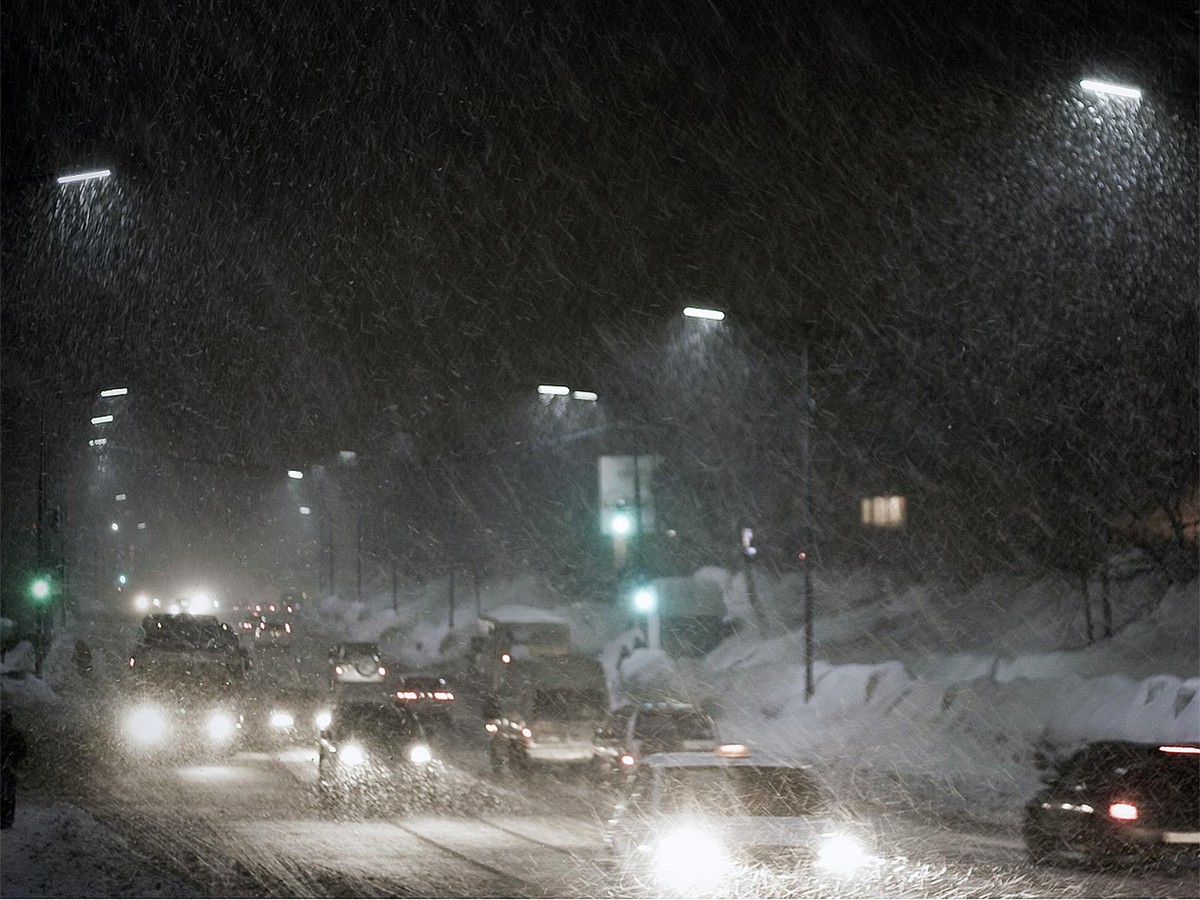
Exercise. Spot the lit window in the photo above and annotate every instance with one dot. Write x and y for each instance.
(884, 512)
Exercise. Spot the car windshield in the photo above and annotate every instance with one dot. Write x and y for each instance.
(568, 703)
(739, 791)
(186, 633)
(672, 726)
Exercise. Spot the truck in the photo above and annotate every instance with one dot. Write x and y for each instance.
(513, 633)
(547, 710)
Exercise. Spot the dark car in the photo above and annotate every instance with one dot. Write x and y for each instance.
(429, 695)
(1115, 801)
(356, 662)
(636, 731)
(374, 747)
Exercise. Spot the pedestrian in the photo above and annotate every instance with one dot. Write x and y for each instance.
(12, 751)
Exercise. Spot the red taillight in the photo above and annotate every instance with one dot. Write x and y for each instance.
(406, 695)
(1179, 748)
(382, 670)
(443, 695)
(627, 760)
(131, 662)
(287, 626)
(505, 658)
(1123, 812)
(526, 733)
(338, 669)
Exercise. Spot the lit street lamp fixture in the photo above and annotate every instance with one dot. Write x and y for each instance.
(1106, 87)
(699, 312)
(84, 176)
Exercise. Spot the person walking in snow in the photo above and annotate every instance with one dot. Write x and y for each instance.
(12, 751)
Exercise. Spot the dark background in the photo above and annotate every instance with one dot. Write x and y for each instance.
(379, 226)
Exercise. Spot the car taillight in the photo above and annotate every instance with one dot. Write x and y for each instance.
(1123, 812)
(131, 662)
(287, 626)
(406, 695)
(338, 669)
(627, 759)
(526, 733)
(382, 670)
(443, 695)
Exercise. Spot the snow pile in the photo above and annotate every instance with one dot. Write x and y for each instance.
(57, 850)
(956, 694)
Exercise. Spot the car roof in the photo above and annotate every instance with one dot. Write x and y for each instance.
(700, 759)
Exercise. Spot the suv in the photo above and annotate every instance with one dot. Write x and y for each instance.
(633, 732)
(1117, 799)
(356, 662)
(185, 649)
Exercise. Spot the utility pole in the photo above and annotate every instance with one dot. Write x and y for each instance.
(805, 555)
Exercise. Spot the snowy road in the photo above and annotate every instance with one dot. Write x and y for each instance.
(254, 825)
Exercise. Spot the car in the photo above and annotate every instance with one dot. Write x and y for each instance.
(276, 632)
(638, 730)
(1116, 801)
(429, 695)
(182, 723)
(695, 821)
(180, 649)
(373, 748)
(356, 662)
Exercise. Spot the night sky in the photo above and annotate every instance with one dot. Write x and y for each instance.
(381, 225)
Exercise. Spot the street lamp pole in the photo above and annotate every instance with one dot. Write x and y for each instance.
(806, 410)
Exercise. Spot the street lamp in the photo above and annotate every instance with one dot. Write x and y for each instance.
(553, 390)
(1114, 90)
(84, 176)
(807, 407)
(101, 420)
(114, 392)
(296, 474)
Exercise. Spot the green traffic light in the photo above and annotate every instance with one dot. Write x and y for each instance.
(40, 588)
(121, 579)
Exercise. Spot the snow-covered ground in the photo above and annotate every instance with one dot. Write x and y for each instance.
(950, 694)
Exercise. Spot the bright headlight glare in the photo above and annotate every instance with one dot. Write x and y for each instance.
(220, 726)
(281, 719)
(146, 725)
(841, 852)
(420, 754)
(689, 858)
(352, 755)
(323, 719)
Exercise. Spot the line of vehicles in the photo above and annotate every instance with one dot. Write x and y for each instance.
(694, 809)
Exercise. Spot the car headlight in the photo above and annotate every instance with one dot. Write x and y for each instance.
(419, 754)
(220, 726)
(146, 726)
(282, 720)
(323, 719)
(841, 852)
(688, 858)
(352, 755)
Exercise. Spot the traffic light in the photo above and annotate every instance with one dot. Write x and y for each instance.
(122, 580)
(41, 589)
(645, 600)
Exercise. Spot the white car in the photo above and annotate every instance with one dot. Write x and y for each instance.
(698, 821)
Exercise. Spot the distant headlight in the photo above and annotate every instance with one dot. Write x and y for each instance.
(841, 852)
(420, 754)
(146, 725)
(688, 858)
(323, 719)
(220, 726)
(352, 755)
(282, 720)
